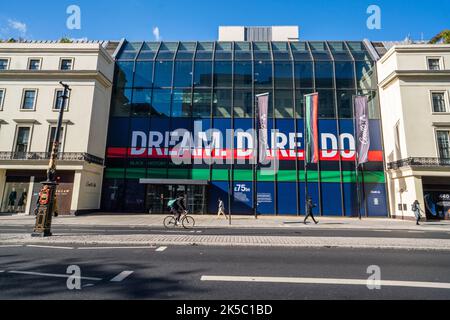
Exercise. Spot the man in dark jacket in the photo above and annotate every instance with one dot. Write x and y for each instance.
(180, 207)
(309, 210)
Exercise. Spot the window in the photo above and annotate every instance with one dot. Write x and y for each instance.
(2, 98)
(34, 64)
(304, 75)
(183, 74)
(263, 74)
(142, 102)
(4, 64)
(222, 103)
(29, 99)
(283, 75)
(203, 74)
(439, 104)
(345, 75)
(202, 103)
(443, 139)
(181, 103)
(434, 64)
(223, 74)
(51, 138)
(144, 74)
(243, 74)
(66, 64)
(163, 74)
(243, 103)
(22, 140)
(161, 103)
(124, 74)
(59, 100)
(284, 104)
(324, 75)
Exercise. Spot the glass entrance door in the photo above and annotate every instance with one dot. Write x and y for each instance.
(159, 195)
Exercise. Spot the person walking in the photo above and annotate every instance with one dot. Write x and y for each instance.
(416, 209)
(221, 211)
(309, 210)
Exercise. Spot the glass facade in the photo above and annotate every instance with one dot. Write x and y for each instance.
(165, 86)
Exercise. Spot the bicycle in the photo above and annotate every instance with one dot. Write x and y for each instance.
(187, 222)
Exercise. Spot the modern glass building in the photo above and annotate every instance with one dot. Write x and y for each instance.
(164, 86)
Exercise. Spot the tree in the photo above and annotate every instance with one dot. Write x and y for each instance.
(65, 40)
(444, 37)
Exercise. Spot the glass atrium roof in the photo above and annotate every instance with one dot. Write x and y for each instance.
(298, 51)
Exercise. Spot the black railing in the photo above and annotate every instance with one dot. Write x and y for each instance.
(62, 156)
(420, 162)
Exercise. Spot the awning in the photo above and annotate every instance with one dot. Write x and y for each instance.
(175, 182)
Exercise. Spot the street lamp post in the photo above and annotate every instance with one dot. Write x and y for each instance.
(46, 206)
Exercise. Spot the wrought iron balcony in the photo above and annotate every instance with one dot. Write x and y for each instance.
(39, 156)
(420, 162)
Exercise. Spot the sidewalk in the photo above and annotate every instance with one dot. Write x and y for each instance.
(244, 222)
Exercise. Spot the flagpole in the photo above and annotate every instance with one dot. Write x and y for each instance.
(305, 148)
(356, 160)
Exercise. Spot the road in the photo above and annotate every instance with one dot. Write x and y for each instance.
(28, 272)
(314, 231)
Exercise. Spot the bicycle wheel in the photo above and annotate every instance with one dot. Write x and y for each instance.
(169, 222)
(188, 222)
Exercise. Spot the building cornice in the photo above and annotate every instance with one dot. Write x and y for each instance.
(441, 75)
(60, 50)
(56, 75)
(417, 48)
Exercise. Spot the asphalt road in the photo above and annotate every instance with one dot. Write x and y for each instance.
(313, 231)
(183, 272)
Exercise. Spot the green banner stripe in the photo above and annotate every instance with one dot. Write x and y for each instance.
(244, 175)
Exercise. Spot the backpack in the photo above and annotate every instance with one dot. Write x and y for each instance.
(171, 203)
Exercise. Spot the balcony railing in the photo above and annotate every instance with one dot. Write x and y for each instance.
(62, 156)
(420, 162)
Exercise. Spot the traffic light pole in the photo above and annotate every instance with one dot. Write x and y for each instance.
(46, 206)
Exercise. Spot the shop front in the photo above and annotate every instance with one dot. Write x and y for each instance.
(437, 198)
(21, 190)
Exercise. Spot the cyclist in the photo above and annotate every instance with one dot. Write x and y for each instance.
(177, 207)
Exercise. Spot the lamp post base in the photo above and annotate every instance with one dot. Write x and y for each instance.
(45, 210)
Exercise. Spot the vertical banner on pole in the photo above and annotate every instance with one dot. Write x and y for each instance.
(362, 129)
(263, 108)
(312, 128)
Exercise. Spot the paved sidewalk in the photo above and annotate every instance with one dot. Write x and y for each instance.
(228, 241)
(237, 222)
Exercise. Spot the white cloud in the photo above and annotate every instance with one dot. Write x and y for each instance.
(18, 26)
(156, 33)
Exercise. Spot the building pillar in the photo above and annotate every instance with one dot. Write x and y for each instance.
(74, 207)
(30, 196)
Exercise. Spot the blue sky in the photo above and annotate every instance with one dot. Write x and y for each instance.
(199, 19)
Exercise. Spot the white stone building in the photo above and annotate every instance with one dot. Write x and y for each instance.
(29, 105)
(414, 83)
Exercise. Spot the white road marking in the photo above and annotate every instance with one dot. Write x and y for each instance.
(121, 276)
(50, 247)
(1, 271)
(161, 249)
(11, 246)
(54, 275)
(113, 248)
(387, 283)
(382, 230)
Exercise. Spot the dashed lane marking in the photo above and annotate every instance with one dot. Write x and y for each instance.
(161, 249)
(121, 276)
(50, 247)
(53, 275)
(386, 283)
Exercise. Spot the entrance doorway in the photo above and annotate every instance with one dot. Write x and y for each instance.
(158, 195)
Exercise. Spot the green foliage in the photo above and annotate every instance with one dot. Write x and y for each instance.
(65, 40)
(11, 40)
(444, 37)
